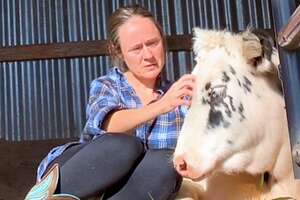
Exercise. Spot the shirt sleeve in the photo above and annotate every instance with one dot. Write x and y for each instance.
(103, 98)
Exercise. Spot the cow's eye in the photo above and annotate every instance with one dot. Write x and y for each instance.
(217, 92)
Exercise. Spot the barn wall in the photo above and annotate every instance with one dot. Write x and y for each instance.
(45, 99)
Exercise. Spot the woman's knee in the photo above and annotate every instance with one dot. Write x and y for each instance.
(154, 173)
(157, 164)
(167, 176)
(130, 145)
(102, 158)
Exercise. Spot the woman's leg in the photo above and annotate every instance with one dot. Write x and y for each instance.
(153, 178)
(99, 164)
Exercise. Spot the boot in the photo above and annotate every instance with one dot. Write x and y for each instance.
(44, 190)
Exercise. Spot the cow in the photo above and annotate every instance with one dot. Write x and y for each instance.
(234, 142)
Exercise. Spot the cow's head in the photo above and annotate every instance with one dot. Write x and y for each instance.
(237, 100)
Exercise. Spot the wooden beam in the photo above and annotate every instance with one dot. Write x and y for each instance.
(53, 50)
(77, 49)
(179, 42)
(289, 35)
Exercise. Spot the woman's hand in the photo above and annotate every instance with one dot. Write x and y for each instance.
(180, 93)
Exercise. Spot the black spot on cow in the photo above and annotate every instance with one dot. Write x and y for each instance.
(231, 103)
(204, 101)
(216, 119)
(226, 124)
(247, 81)
(241, 112)
(239, 82)
(227, 109)
(207, 86)
(230, 142)
(241, 108)
(247, 84)
(217, 95)
(215, 98)
(247, 88)
(232, 70)
(216, 101)
(227, 51)
(225, 77)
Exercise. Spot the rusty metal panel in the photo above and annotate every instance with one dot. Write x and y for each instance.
(45, 99)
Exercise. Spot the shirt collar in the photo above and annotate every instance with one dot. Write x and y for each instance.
(124, 85)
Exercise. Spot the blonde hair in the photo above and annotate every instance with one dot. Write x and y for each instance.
(117, 19)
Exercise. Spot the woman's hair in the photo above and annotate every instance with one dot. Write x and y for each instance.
(117, 19)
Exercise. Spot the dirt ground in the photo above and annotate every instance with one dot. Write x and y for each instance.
(18, 164)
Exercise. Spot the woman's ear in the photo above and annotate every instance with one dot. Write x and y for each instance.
(116, 55)
(120, 56)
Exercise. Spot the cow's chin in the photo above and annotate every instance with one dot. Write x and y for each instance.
(196, 176)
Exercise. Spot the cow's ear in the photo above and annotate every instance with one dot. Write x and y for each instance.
(259, 51)
(252, 48)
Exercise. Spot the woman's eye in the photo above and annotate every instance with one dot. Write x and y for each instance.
(136, 49)
(154, 43)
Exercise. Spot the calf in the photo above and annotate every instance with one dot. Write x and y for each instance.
(235, 137)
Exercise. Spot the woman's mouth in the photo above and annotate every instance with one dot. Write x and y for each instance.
(151, 65)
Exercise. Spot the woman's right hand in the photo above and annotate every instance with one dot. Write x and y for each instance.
(180, 93)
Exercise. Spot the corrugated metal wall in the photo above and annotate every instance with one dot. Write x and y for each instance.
(46, 98)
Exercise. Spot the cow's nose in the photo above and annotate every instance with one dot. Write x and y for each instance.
(180, 165)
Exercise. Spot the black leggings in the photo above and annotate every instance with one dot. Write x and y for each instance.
(118, 166)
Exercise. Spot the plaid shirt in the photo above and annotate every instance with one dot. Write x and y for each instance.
(113, 92)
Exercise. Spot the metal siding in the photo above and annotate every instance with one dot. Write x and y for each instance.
(46, 98)
(290, 74)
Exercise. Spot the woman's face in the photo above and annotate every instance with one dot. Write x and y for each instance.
(142, 47)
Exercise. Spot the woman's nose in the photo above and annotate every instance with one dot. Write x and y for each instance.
(147, 53)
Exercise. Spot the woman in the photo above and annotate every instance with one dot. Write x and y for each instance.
(133, 122)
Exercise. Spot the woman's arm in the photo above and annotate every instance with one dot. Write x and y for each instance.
(126, 120)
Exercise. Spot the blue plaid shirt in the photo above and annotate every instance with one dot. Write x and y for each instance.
(113, 92)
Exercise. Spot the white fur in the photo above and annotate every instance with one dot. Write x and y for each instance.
(259, 141)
